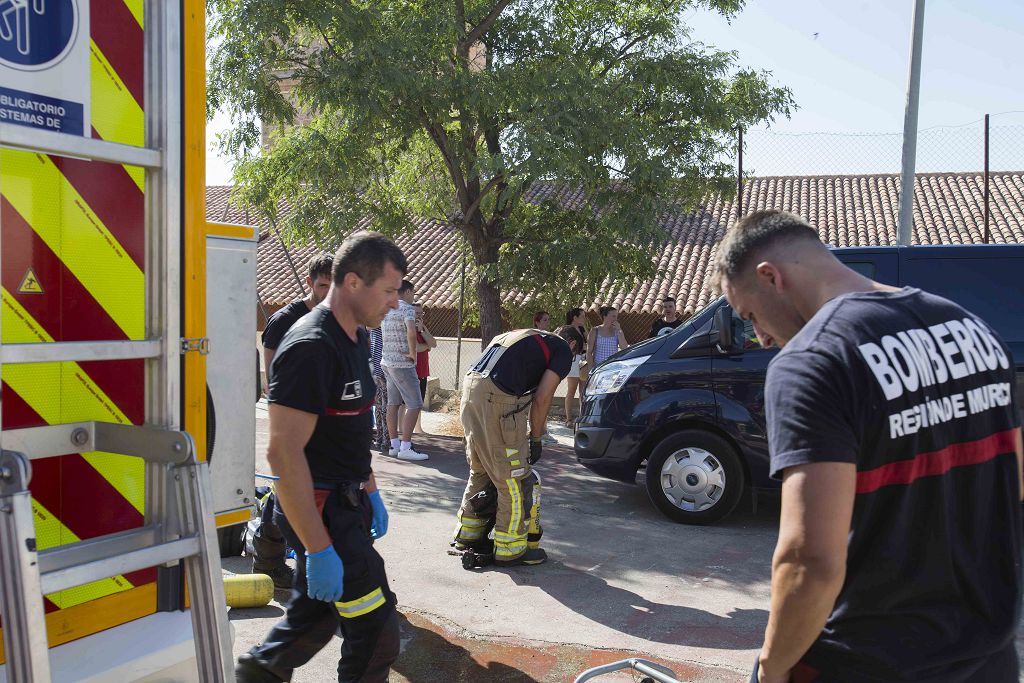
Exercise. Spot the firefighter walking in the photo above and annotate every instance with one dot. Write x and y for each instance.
(515, 378)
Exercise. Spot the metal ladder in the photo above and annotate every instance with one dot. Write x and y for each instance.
(178, 521)
(186, 534)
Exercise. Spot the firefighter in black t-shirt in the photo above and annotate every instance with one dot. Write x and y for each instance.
(892, 423)
(330, 511)
(318, 281)
(267, 544)
(519, 371)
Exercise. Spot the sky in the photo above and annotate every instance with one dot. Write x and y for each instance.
(847, 64)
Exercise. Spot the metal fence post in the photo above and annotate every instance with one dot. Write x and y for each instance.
(986, 179)
(739, 174)
(458, 334)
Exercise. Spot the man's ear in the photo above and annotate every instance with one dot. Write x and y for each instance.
(351, 280)
(769, 275)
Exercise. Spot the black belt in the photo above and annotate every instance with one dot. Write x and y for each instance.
(351, 491)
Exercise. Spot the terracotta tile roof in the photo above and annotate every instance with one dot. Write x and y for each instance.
(857, 210)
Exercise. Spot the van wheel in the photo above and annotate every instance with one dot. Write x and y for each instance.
(694, 477)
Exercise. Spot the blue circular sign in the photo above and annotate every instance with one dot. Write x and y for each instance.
(36, 34)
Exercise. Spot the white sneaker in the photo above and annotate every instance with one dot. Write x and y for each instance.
(392, 451)
(412, 455)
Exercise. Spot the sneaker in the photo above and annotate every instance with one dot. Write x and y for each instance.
(547, 439)
(411, 455)
(531, 556)
(390, 451)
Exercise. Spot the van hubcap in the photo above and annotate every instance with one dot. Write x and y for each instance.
(693, 479)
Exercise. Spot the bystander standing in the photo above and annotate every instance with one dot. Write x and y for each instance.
(399, 364)
(669, 319)
(605, 339)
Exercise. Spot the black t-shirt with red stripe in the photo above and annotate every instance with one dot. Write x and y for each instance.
(919, 394)
(519, 370)
(319, 369)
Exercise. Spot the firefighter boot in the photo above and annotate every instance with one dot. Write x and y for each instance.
(268, 559)
(531, 557)
(249, 669)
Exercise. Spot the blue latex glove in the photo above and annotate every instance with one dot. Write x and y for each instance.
(379, 525)
(325, 575)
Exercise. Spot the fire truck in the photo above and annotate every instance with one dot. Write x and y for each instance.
(111, 485)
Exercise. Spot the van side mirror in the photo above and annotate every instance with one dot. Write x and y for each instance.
(728, 341)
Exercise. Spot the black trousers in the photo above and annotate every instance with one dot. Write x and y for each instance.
(365, 614)
(1001, 667)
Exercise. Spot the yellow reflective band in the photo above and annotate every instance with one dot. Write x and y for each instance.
(509, 549)
(50, 532)
(466, 520)
(135, 7)
(515, 463)
(364, 605)
(517, 506)
(509, 452)
(116, 116)
(63, 392)
(58, 214)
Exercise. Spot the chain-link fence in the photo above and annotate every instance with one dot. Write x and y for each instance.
(991, 145)
(991, 148)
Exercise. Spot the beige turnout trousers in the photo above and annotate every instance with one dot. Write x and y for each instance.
(497, 451)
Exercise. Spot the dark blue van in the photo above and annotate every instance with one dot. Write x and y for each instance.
(690, 405)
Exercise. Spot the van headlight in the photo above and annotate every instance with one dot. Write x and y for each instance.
(610, 377)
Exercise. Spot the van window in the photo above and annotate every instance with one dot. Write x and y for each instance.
(865, 268)
(987, 287)
(744, 330)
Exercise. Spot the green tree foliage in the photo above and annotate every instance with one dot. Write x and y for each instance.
(550, 133)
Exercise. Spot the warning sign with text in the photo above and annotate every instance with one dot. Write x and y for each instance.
(45, 64)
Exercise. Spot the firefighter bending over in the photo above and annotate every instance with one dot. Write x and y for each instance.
(518, 373)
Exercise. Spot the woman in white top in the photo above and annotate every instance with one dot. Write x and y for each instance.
(605, 339)
(575, 319)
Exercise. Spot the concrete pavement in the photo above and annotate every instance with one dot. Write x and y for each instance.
(621, 581)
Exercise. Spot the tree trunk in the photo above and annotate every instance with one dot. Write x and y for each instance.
(489, 298)
(488, 293)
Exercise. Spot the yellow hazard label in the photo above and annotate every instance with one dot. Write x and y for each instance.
(30, 283)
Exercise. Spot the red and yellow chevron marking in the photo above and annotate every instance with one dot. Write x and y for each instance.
(44, 198)
(78, 226)
(116, 69)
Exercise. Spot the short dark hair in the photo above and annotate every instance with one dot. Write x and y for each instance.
(406, 286)
(572, 313)
(321, 264)
(605, 310)
(570, 333)
(538, 315)
(751, 236)
(668, 299)
(365, 253)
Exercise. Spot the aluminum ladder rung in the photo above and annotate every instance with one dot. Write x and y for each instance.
(52, 352)
(50, 142)
(110, 559)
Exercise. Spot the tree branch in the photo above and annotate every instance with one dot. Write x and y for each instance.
(440, 138)
(621, 55)
(491, 184)
(485, 24)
